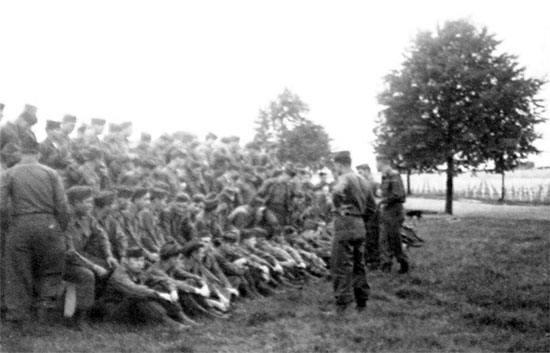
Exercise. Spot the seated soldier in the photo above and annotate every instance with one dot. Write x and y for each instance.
(88, 256)
(127, 295)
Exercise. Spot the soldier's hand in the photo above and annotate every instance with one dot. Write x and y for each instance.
(164, 296)
(100, 271)
(112, 262)
(174, 296)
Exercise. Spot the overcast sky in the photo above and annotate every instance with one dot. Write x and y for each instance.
(211, 65)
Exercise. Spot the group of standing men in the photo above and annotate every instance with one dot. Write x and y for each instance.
(361, 225)
(39, 212)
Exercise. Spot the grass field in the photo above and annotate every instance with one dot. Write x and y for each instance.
(478, 284)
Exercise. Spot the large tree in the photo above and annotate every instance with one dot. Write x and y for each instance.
(297, 138)
(457, 102)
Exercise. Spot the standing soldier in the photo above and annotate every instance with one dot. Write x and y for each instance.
(35, 244)
(371, 218)
(391, 216)
(351, 195)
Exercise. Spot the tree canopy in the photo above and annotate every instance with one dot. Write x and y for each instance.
(296, 138)
(457, 101)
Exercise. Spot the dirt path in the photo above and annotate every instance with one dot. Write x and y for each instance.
(472, 208)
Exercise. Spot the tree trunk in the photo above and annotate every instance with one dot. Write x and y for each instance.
(503, 189)
(409, 182)
(449, 194)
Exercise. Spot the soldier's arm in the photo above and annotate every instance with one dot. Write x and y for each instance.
(61, 207)
(123, 283)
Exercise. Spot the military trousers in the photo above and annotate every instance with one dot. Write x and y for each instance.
(348, 261)
(35, 251)
(391, 221)
(372, 243)
(85, 282)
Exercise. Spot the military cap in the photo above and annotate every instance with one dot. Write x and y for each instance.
(225, 139)
(139, 193)
(125, 192)
(79, 193)
(342, 157)
(29, 108)
(382, 157)
(231, 235)
(169, 250)
(52, 125)
(126, 124)
(29, 145)
(175, 152)
(257, 200)
(190, 247)
(210, 203)
(211, 136)
(225, 197)
(145, 137)
(234, 138)
(67, 118)
(134, 252)
(363, 166)
(104, 198)
(198, 198)
(82, 128)
(149, 163)
(158, 193)
(98, 121)
(247, 234)
(114, 127)
(184, 136)
(182, 197)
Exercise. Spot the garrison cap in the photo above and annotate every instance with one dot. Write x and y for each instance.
(225, 139)
(169, 250)
(211, 136)
(104, 198)
(114, 127)
(341, 156)
(134, 252)
(149, 163)
(182, 197)
(234, 138)
(98, 121)
(124, 191)
(126, 124)
(232, 234)
(210, 203)
(158, 193)
(52, 125)
(257, 200)
(363, 166)
(82, 128)
(190, 247)
(67, 118)
(198, 198)
(79, 193)
(145, 137)
(139, 193)
(30, 108)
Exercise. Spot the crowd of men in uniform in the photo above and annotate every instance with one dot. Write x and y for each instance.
(169, 229)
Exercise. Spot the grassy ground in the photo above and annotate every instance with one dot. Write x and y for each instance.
(477, 285)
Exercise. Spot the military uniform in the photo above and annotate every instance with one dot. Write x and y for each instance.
(35, 245)
(391, 220)
(350, 196)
